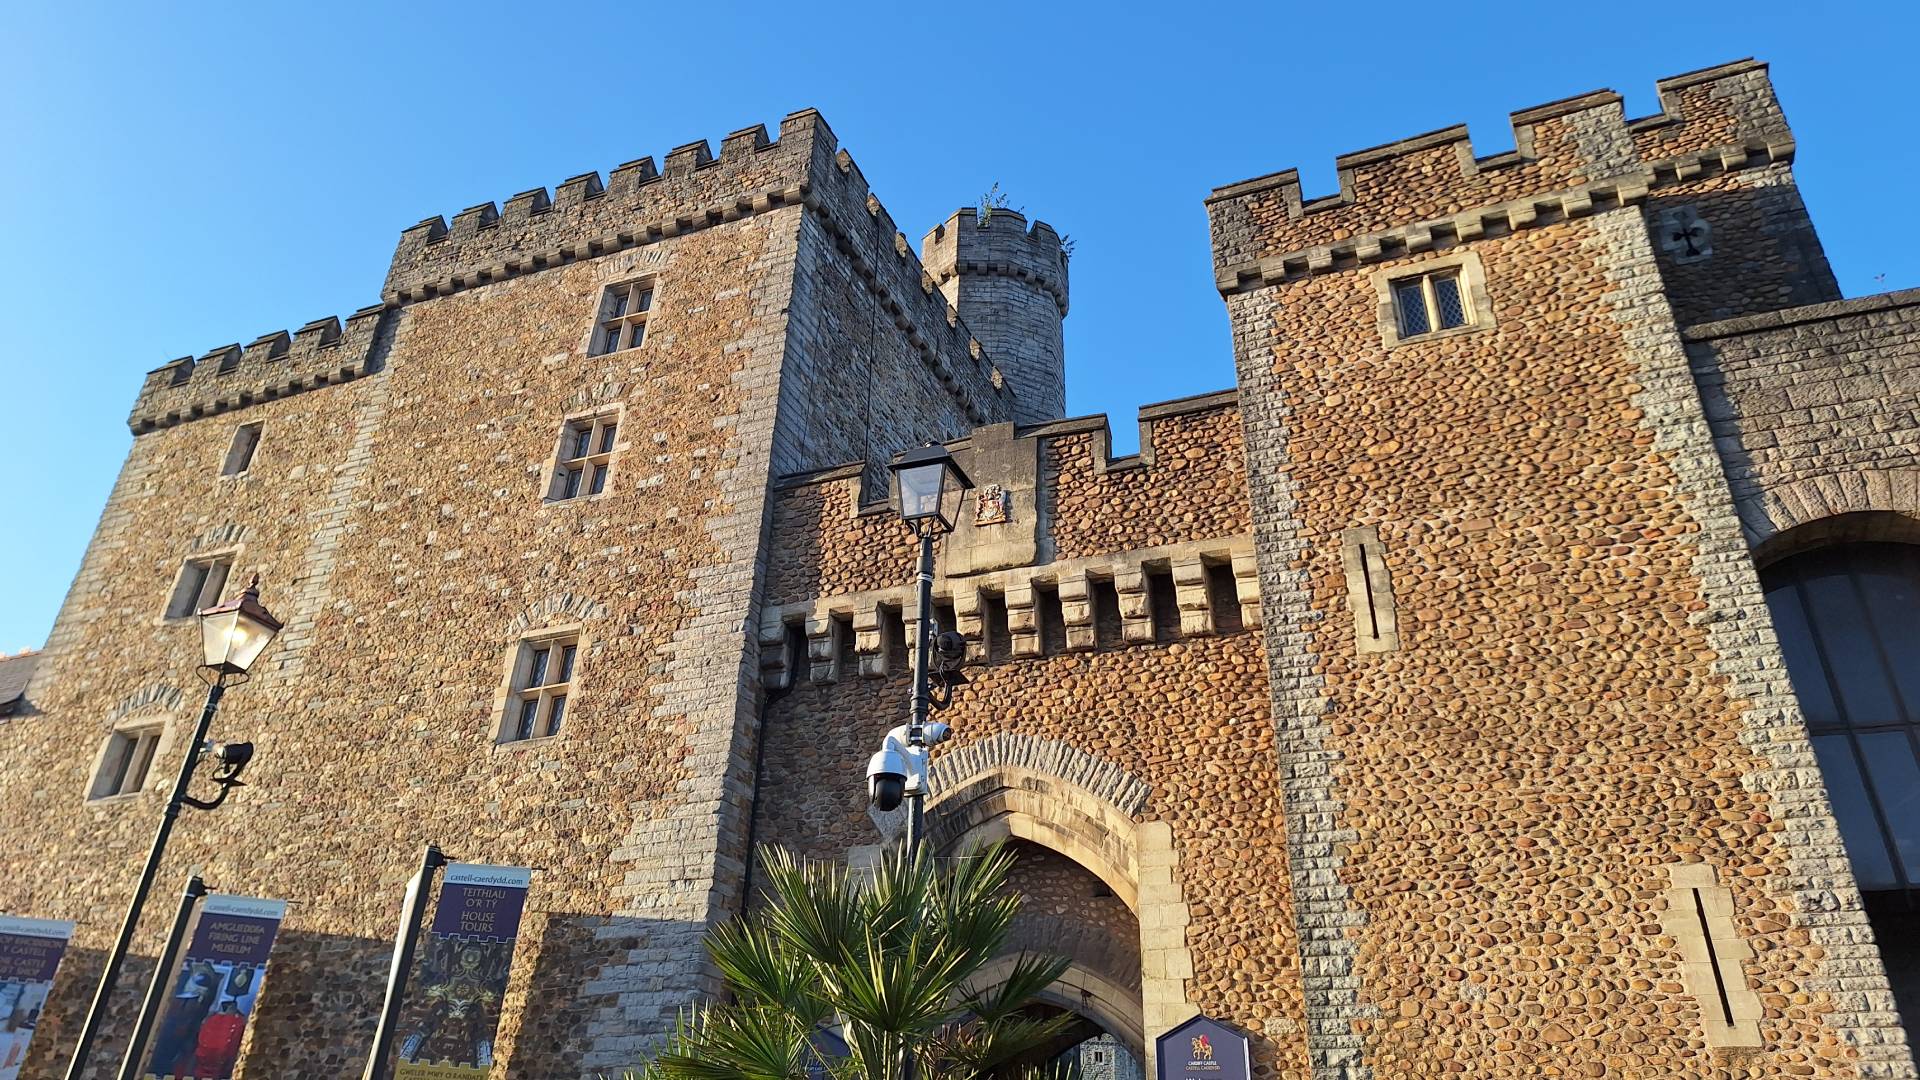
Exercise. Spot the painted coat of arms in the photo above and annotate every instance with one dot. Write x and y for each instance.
(993, 506)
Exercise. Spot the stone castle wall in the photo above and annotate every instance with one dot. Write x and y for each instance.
(1381, 707)
(1810, 409)
(1122, 635)
(1584, 706)
(395, 514)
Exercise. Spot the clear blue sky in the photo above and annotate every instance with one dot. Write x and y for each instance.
(175, 176)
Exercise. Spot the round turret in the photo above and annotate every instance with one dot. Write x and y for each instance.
(1009, 283)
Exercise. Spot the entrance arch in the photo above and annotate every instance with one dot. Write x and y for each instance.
(1056, 796)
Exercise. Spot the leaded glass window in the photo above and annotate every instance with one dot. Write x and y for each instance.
(1431, 302)
(542, 681)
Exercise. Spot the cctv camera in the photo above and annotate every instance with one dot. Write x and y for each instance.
(887, 778)
(233, 755)
(887, 791)
(950, 645)
(934, 733)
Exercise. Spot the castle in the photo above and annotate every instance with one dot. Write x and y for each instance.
(1512, 676)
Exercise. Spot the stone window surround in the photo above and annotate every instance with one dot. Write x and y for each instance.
(128, 727)
(647, 283)
(613, 411)
(241, 452)
(1473, 292)
(1699, 918)
(507, 696)
(230, 554)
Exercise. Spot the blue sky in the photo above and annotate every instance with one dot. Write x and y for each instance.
(175, 177)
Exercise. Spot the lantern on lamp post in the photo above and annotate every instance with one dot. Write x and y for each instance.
(232, 637)
(929, 489)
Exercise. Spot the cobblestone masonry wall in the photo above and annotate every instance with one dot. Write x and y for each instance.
(1189, 717)
(1067, 911)
(1761, 252)
(1811, 410)
(1190, 480)
(113, 659)
(1498, 799)
(1812, 861)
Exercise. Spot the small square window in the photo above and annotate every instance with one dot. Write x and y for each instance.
(541, 681)
(624, 309)
(585, 458)
(246, 439)
(125, 764)
(199, 585)
(1431, 302)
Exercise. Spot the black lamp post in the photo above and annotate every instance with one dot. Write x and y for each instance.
(930, 488)
(232, 636)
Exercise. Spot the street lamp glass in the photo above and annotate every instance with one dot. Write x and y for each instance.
(234, 634)
(930, 486)
(920, 491)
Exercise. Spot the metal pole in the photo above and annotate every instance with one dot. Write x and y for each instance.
(922, 693)
(162, 978)
(409, 935)
(97, 1012)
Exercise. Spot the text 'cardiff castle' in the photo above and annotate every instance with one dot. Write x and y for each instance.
(1516, 674)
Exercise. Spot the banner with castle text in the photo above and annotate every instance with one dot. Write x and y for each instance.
(452, 1010)
(215, 988)
(30, 952)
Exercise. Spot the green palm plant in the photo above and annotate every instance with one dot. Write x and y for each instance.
(889, 963)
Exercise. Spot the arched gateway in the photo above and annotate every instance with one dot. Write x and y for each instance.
(1101, 887)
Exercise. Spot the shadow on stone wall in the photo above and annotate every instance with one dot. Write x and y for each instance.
(322, 998)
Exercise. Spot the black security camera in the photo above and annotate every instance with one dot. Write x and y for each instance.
(951, 646)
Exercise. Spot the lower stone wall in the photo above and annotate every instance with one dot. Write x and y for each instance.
(1811, 409)
(1187, 719)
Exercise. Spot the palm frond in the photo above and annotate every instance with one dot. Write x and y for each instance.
(979, 1047)
(1032, 973)
(739, 1043)
(817, 909)
(761, 968)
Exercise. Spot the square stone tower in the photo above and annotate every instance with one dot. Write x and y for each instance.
(557, 430)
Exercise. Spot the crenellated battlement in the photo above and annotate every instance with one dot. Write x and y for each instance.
(1724, 117)
(584, 217)
(637, 203)
(1053, 493)
(1002, 245)
(321, 353)
(1163, 534)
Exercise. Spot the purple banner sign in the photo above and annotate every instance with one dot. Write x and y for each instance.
(1203, 1049)
(215, 991)
(30, 951)
(453, 1006)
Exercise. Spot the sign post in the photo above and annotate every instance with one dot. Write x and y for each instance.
(411, 910)
(212, 992)
(449, 1021)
